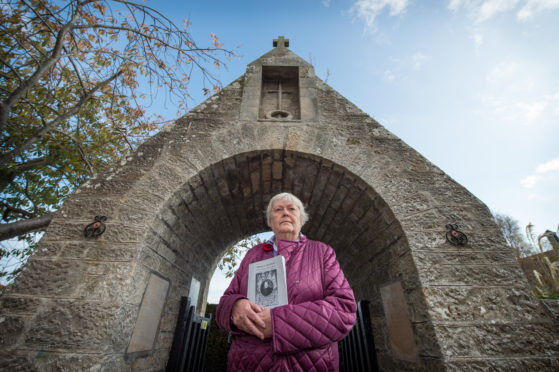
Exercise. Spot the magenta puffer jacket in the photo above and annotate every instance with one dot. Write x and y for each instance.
(306, 332)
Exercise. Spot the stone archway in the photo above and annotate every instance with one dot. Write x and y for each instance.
(187, 193)
(226, 201)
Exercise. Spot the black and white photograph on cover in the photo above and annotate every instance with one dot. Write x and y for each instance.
(267, 288)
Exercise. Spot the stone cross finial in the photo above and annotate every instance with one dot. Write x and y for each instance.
(281, 42)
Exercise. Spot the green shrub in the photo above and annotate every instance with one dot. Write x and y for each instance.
(218, 347)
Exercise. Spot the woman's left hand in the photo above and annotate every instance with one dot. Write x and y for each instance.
(266, 316)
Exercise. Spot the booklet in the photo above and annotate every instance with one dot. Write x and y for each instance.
(267, 284)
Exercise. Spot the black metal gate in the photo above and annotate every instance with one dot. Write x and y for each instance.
(357, 350)
(190, 341)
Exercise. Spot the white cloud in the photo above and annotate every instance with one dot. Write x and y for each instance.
(529, 181)
(502, 71)
(542, 111)
(389, 75)
(482, 10)
(402, 66)
(368, 10)
(532, 111)
(478, 39)
(455, 5)
(544, 172)
(418, 59)
(489, 8)
(517, 92)
(326, 3)
(531, 7)
(550, 166)
(547, 106)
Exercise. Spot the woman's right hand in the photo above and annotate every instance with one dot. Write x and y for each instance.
(246, 318)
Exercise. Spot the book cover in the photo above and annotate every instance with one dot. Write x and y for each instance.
(267, 284)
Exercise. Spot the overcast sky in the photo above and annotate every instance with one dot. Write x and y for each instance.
(473, 85)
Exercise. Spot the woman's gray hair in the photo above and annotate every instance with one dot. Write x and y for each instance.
(288, 197)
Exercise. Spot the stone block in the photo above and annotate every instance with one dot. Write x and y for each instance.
(470, 218)
(154, 362)
(417, 307)
(136, 215)
(11, 328)
(380, 335)
(115, 232)
(493, 304)
(13, 361)
(112, 362)
(139, 201)
(122, 233)
(116, 182)
(12, 305)
(57, 278)
(470, 275)
(169, 322)
(427, 340)
(149, 259)
(448, 255)
(138, 282)
(105, 281)
(277, 169)
(43, 360)
(48, 249)
(502, 364)
(499, 340)
(88, 206)
(113, 252)
(165, 339)
(122, 328)
(552, 306)
(59, 231)
(72, 325)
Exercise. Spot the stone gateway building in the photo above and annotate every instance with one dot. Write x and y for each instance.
(173, 207)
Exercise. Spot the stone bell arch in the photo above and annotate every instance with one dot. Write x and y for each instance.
(188, 193)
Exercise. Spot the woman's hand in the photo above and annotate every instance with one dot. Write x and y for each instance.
(248, 317)
(266, 317)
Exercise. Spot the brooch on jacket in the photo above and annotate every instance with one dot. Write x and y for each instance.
(267, 247)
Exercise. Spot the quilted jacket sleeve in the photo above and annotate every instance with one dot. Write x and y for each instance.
(231, 295)
(314, 324)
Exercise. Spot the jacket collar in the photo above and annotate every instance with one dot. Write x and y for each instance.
(285, 246)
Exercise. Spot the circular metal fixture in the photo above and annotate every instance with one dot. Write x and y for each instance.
(455, 237)
(96, 228)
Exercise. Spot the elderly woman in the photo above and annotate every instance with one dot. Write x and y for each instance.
(300, 336)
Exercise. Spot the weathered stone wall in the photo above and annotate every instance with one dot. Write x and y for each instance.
(547, 280)
(190, 192)
(552, 306)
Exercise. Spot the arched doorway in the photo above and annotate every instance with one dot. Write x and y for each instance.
(226, 201)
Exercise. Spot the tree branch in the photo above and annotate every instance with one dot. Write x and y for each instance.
(145, 36)
(41, 70)
(80, 151)
(67, 114)
(10, 208)
(7, 176)
(11, 230)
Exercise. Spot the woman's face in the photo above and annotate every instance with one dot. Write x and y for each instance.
(285, 219)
